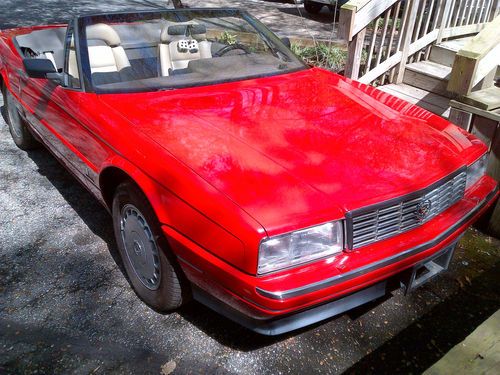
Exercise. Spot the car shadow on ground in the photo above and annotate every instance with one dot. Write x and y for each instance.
(81, 201)
(325, 16)
(239, 338)
(429, 338)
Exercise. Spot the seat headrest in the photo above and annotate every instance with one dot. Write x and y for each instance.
(101, 31)
(179, 31)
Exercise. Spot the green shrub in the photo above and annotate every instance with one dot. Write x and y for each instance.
(323, 55)
(227, 38)
(381, 21)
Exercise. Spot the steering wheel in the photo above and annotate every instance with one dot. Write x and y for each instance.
(230, 48)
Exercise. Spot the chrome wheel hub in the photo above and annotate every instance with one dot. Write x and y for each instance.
(140, 246)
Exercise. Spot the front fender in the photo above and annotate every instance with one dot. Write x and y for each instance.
(182, 217)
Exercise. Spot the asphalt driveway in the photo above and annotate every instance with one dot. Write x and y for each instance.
(65, 306)
(281, 16)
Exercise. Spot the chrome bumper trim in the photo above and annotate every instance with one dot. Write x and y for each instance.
(379, 264)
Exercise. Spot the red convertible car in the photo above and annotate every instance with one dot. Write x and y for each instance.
(276, 193)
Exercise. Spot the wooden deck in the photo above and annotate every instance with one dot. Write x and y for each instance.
(432, 102)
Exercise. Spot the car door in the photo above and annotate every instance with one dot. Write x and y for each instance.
(59, 116)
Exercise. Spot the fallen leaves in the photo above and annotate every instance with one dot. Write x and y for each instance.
(168, 368)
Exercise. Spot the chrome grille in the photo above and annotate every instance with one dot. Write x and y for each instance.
(367, 225)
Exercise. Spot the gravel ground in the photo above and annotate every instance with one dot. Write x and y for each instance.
(65, 306)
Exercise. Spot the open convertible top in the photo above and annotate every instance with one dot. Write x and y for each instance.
(160, 50)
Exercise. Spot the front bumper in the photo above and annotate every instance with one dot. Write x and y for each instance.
(291, 322)
(292, 299)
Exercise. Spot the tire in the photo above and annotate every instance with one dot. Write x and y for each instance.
(313, 7)
(17, 126)
(151, 267)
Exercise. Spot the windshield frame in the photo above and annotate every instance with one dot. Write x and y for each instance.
(83, 57)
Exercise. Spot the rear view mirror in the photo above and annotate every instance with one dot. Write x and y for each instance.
(38, 68)
(187, 30)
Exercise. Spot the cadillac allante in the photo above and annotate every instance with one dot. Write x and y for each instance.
(276, 193)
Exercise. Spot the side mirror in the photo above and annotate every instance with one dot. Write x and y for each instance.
(39, 68)
(286, 42)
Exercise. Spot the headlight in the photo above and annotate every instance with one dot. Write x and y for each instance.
(476, 170)
(301, 246)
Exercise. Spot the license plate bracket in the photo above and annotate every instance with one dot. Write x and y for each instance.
(429, 268)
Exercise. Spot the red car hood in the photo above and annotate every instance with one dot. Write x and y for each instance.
(298, 149)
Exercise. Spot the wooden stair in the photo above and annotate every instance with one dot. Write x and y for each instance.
(425, 82)
(444, 53)
(429, 76)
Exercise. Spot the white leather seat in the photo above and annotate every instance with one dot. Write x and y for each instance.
(174, 51)
(105, 51)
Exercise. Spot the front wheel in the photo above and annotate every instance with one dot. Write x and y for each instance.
(17, 126)
(312, 7)
(151, 268)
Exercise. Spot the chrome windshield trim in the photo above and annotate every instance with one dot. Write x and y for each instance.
(281, 295)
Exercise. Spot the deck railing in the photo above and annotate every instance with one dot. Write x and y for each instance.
(384, 35)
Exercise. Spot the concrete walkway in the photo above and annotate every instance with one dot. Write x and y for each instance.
(282, 16)
(479, 353)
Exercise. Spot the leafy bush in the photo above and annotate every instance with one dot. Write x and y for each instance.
(323, 55)
(227, 38)
(381, 21)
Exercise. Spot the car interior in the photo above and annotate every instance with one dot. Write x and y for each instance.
(48, 44)
(149, 53)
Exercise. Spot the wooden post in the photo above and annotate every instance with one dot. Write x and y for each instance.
(355, 48)
(495, 9)
(346, 22)
(445, 15)
(407, 34)
(460, 118)
(475, 60)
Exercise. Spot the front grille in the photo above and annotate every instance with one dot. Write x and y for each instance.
(381, 221)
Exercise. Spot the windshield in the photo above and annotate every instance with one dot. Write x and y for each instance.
(151, 51)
